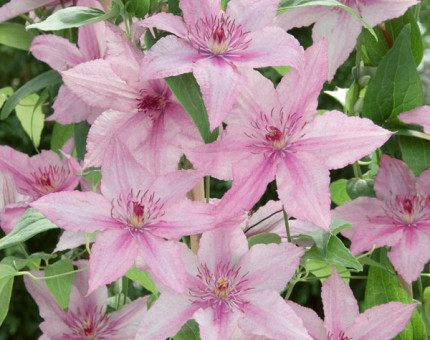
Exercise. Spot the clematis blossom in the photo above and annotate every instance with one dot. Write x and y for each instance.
(277, 134)
(137, 215)
(215, 45)
(419, 115)
(33, 177)
(339, 27)
(229, 287)
(60, 54)
(16, 7)
(343, 320)
(398, 217)
(85, 317)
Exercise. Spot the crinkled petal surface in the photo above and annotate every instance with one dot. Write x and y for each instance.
(214, 327)
(311, 321)
(253, 14)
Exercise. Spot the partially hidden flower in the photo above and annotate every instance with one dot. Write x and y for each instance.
(138, 216)
(85, 317)
(343, 320)
(277, 134)
(16, 7)
(229, 286)
(33, 178)
(419, 115)
(214, 44)
(339, 27)
(398, 217)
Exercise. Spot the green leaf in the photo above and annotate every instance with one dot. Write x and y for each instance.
(31, 223)
(6, 285)
(5, 92)
(14, 35)
(357, 187)
(61, 286)
(81, 132)
(74, 17)
(92, 175)
(336, 253)
(174, 7)
(31, 117)
(60, 135)
(323, 270)
(373, 50)
(16, 263)
(285, 5)
(415, 153)
(264, 238)
(282, 70)
(138, 8)
(187, 91)
(189, 331)
(338, 192)
(143, 278)
(383, 287)
(6, 271)
(43, 80)
(396, 86)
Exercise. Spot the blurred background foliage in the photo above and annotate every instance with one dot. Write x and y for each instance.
(17, 67)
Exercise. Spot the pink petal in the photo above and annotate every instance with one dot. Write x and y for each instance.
(96, 84)
(340, 147)
(112, 255)
(164, 260)
(91, 39)
(340, 305)
(17, 164)
(170, 56)
(69, 108)
(16, 7)
(363, 213)
(268, 314)
(382, 322)
(57, 52)
(253, 15)
(311, 321)
(77, 211)
(220, 83)
(70, 240)
(309, 198)
(423, 183)
(10, 216)
(166, 317)
(195, 10)
(411, 254)
(8, 192)
(266, 224)
(166, 22)
(377, 11)
(299, 89)
(214, 327)
(222, 246)
(394, 178)
(299, 17)
(270, 46)
(271, 266)
(420, 116)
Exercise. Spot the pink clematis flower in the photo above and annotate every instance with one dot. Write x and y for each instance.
(275, 133)
(61, 54)
(16, 7)
(33, 178)
(137, 214)
(339, 27)
(86, 317)
(229, 286)
(143, 114)
(343, 320)
(398, 217)
(419, 115)
(213, 44)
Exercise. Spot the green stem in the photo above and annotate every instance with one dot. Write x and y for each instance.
(207, 188)
(124, 289)
(50, 277)
(27, 256)
(287, 225)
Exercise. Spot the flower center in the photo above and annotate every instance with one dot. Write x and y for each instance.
(341, 336)
(275, 137)
(151, 104)
(49, 179)
(88, 330)
(222, 287)
(410, 210)
(218, 36)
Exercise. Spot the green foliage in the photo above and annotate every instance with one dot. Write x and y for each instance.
(32, 119)
(143, 278)
(415, 153)
(383, 287)
(31, 223)
(14, 35)
(61, 286)
(138, 8)
(5, 92)
(6, 284)
(264, 238)
(338, 192)
(60, 135)
(396, 86)
(189, 331)
(81, 132)
(356, 187)
(187, 91)
(174, 7)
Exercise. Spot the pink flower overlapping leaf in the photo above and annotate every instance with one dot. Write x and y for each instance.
(32, 178)
(419, 115)
(398, 217)
(137, 215)
(229, 286)
(343, 320)
(214, 45)
(276, 133)
(143, 114)
(85, 317)
(339, 27)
